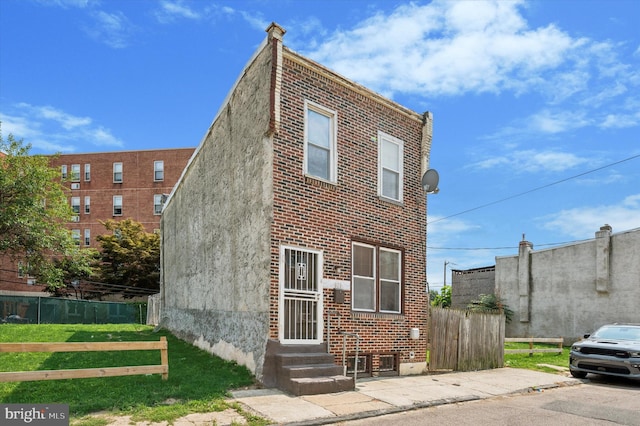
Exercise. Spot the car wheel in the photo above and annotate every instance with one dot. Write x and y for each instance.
(578, 374)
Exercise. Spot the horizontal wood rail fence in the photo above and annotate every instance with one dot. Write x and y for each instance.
(83, 373)
(531, 341)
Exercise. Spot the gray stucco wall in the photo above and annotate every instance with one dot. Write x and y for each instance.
(572, 290)
(215, 230)
(468, 285)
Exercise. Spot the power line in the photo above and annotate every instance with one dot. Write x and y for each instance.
(509, 247)
(533, 190)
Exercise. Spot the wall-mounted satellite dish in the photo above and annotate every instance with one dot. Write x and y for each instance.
(430, 181)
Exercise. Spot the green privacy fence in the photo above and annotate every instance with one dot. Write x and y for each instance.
(53, 310)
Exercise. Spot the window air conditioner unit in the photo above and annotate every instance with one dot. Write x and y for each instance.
(75, 186)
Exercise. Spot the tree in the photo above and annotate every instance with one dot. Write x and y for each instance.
(33, 212)
(129, 256)
(491, 303)
(442, 300)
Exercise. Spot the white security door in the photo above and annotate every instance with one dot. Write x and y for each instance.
(300, 302)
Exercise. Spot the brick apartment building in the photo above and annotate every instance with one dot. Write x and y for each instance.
(108, 185)
(313, 226)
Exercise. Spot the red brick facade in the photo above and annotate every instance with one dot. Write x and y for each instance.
(137, 189)
(319, 215)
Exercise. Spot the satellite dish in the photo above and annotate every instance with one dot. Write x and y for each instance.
(430, 181)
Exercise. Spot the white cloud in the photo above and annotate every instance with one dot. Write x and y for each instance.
(532, 161)
(583, 222)
(171, 10)
(51, 130)
(113, 29)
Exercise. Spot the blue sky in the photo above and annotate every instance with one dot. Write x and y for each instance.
(536, 104)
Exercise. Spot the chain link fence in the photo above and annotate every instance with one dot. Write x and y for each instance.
(53, 310)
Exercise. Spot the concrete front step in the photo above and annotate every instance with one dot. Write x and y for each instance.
(315, 370)
(299, 358)
(319, 385)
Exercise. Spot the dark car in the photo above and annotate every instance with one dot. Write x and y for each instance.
(613, 350)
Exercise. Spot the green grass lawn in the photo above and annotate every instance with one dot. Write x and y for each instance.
(198, 381)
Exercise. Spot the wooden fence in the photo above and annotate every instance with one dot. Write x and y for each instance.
(83, 373)
(531, 340)
(465, 341)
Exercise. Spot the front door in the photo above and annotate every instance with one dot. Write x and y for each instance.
(300, 300)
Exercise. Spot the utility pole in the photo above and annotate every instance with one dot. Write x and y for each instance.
(445, 272)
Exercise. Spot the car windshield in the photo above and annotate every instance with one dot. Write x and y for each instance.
(616, 332)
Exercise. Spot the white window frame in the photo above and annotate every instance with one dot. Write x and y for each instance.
(87, 237)
(75, 205)
(377, 279)
(117, 202)
(75, 234)
(75, 173)
(118, 169)
(87, 204)
(397, 169)
(87, 172)
(158, 167)
(63, 172)
(157, 204)
(333, 132)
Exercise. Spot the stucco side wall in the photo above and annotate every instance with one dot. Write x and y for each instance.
(215, 229)
(568, 294)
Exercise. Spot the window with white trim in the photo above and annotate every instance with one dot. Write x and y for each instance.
(117, 205)
(87, 172)
(320, 151)
(390, 167)
(158, 171)
(87, 237)
(87, 205)
(63, 171)
(117, 172)
(75, 234)
(75, 205)
(75, 173)
(376, 279)
(157, 204)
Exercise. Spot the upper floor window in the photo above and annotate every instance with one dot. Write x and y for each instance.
(377, 284)
(75, 173)
(87, 172)
(117, 205)
(390, 169)
(158, 170)
(87, 237)
(75, 234)
(320, 152)
(157, 203)
(75, 205)
(117, 172)
(63, 171)
(87, 205)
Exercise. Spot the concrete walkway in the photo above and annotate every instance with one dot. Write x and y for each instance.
(378, 396)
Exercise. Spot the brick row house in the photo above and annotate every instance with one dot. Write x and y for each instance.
(296, 234)
(107, 185)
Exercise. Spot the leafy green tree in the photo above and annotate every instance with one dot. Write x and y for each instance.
(33, 212)
(491, 303)
(129, 256)
(442, 300)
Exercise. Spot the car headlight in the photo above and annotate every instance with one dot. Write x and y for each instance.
(634, 354)
(575, 348)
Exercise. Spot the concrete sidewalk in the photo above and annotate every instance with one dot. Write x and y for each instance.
(378, 396)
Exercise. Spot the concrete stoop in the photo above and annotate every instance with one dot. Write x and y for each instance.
(305, 370)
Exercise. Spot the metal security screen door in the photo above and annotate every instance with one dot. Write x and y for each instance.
(300, 296)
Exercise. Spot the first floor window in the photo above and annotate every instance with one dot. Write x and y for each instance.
(117, 205)
(376, 279)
